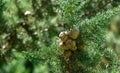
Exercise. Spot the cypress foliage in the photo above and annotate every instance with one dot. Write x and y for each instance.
(92, 37)
(88, 41)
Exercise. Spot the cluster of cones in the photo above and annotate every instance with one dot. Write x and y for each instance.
(67, 41)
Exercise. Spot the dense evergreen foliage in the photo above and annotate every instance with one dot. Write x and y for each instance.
(59, 36)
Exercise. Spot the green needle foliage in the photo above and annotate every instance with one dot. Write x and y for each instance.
(93, 37)
(29, 31)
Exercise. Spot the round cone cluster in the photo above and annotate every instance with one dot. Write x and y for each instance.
(68, 43)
